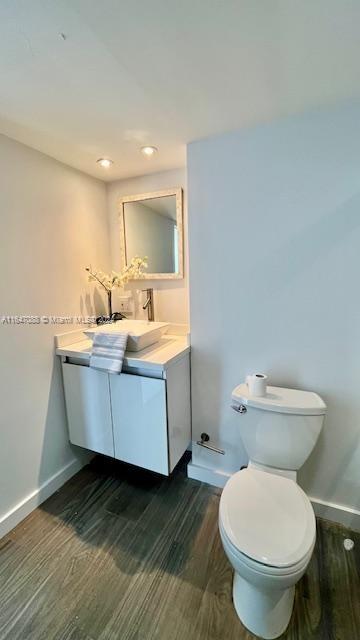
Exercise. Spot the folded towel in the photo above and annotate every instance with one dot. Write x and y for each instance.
(108, 351)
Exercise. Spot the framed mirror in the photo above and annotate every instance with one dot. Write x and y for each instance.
(151, 224)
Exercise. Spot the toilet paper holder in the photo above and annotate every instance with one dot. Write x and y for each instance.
(204, 443)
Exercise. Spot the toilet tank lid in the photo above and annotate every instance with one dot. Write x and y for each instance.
(281, 400)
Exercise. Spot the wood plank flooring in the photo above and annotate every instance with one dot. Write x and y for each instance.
(119, 553)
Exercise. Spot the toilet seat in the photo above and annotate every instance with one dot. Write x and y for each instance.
(240, 559)
(267, 521)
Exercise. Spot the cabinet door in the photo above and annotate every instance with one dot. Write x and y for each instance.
(87, 398)
(178, 409)
(139, 421)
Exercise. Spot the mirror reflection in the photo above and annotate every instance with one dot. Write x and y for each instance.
(151, 229)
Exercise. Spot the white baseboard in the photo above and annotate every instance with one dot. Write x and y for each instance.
(336, 513)
(206, 474)
(10, 519)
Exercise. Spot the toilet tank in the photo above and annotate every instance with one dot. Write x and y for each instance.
(280, 429)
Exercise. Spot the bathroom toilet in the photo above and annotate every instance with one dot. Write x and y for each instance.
(266, 521)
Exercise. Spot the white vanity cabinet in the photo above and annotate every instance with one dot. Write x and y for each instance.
(88, 408)
(140, 419)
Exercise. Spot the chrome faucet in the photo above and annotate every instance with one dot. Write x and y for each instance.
(149, 304)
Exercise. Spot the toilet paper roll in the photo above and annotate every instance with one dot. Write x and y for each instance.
(257, 383)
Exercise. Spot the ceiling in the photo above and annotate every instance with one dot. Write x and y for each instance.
(165, 72)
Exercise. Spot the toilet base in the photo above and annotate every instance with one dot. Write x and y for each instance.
(265, 613)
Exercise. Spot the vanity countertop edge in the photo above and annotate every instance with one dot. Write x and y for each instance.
(158, 356)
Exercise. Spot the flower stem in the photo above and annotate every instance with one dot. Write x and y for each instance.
(99, 281)
(109, 293)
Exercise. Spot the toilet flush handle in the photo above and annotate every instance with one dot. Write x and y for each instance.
(239, 408)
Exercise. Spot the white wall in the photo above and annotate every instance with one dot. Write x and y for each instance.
(171, 296)
(52, 224)
(274, 225)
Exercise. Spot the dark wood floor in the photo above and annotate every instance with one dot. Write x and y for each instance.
(123, 554)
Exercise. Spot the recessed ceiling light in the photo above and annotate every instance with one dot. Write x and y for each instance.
(105, 163)
(148, 151)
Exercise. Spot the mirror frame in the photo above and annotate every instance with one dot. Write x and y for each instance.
(178, 193)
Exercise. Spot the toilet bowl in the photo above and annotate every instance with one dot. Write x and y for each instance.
(266, 521)
(267, 527)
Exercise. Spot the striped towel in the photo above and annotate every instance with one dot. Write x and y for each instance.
(108, 351)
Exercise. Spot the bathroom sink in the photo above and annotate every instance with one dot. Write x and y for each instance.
(141, 332)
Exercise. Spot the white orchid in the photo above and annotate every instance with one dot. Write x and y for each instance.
(117, 280)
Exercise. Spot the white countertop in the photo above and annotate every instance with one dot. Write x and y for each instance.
(156, 357)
